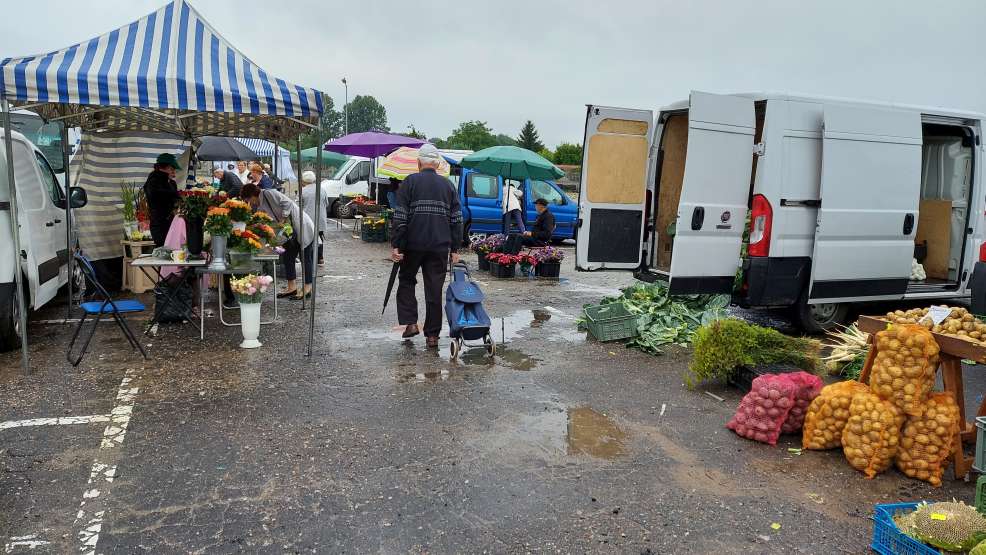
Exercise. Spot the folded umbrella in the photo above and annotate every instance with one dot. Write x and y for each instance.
(390, 285)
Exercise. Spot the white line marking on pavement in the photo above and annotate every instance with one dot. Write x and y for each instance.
(59, 421)
(337, 222)
(30, 541)
(89, 521)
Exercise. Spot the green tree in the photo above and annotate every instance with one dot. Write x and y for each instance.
(547, 154)
(568, 154)
(505, 140)
(412, 131)
(529, 138)
(366, 114)
(332, 126)
(470, 135)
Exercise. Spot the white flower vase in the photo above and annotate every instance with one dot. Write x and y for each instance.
(250, 325)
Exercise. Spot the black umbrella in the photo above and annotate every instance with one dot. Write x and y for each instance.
(390, 285)
(223, 148)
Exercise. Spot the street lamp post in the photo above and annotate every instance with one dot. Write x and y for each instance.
(345, 106)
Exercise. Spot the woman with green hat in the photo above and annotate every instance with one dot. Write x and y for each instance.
(161, 192)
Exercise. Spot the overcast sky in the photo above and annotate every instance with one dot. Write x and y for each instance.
(435, 64)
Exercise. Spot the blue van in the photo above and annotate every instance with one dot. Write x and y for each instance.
(481, 197)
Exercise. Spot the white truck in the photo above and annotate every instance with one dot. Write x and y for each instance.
(838, 197)
(43, 257)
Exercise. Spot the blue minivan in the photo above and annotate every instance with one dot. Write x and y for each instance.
(481, 197)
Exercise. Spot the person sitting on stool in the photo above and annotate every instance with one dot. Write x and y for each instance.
(544, 226)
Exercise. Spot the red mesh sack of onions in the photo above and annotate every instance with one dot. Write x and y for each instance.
(808, 386)
(763, 410)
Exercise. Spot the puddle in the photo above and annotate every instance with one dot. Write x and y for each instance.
(552, 325)
(595, 434)
(558, 433)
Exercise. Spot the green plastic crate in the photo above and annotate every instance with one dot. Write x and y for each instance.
(610, 322)
(981, 494)
(979, 464)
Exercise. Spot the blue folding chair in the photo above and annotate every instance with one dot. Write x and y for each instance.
(99, 308)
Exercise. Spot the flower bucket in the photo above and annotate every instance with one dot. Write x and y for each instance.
(241, 226)
(502, 270)
(129, 228)
(193, 236)
(250, 325)
(218, 263)
(548, 269)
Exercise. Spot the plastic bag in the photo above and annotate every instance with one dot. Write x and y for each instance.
(872, 433)
(763, 410)
(807, 387)
(905, 365)
(828, 413)
(927, 440)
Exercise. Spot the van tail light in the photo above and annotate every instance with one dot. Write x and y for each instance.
(982, 252)
(761, 221)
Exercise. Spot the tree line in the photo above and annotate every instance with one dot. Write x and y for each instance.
(366, 113)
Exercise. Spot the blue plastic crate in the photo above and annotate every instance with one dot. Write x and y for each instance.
(888, 539)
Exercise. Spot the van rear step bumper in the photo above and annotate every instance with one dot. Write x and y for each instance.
(773, 281)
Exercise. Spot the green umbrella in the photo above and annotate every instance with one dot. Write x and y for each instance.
(328, 158)
(512, 162)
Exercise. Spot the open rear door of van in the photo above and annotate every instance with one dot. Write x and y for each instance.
(871, 179)
(613, 189)
(714, 194)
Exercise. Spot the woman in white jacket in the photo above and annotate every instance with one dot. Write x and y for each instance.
(512, 206)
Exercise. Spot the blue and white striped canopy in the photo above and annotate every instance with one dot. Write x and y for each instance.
(168, 71)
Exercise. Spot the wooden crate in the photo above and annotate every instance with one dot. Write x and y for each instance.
(134, 279)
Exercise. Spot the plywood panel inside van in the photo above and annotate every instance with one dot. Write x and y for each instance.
(675, 145)
(934, 226)
(617, 169)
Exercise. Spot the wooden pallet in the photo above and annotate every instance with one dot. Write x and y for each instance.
(953, 351)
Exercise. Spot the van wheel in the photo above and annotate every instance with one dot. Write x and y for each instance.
(10, 338)
(342, 210)
(819, 318)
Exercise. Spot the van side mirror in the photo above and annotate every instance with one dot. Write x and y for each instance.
(77, 197)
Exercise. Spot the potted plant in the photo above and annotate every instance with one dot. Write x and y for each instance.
(242, 246)
(239, 213)
(249, 291)
(219, 226)
(502, 265)
(485, 246)
(527, 263)
(547, 261)
(128, 208)
(193, 207)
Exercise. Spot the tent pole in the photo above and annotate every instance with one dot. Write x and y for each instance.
(317, 218)
(69, 243)
(8, 145)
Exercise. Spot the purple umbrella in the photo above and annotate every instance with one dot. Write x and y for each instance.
(371, 144)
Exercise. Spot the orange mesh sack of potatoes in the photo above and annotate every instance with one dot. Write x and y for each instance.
(827, 415)
(872, 433)
(926, 440)
(904, 369)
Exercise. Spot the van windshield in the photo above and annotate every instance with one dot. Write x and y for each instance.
(46, 136)
(342, 170)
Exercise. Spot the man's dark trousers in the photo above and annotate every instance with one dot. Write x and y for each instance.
(433, 266)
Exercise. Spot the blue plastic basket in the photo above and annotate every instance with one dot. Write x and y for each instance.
(888, 539)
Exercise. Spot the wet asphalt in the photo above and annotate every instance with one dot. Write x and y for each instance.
(558, 444)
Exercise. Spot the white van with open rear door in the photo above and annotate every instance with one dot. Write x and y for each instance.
(809, 203)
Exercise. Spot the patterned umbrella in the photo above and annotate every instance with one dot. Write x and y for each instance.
(403, 162)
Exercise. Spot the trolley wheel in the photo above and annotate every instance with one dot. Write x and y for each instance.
(455, 347)
(490, 344)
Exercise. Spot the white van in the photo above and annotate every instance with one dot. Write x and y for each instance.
(41, 220)
(841, 195)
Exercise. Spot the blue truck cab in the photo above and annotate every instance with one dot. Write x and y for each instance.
(481, 197)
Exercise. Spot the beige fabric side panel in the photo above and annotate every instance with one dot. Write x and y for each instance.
(934, 226)
(617, 168)
(675, 145)
(622, 127)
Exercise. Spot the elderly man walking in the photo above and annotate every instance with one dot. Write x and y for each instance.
(427, 230)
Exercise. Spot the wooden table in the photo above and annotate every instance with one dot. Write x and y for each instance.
(953, 351)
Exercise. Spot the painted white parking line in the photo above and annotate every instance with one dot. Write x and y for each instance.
(89, 521)
(338, 223)
(58, 421)
(30, 542)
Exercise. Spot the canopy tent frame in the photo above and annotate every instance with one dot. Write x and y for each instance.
(25, 82)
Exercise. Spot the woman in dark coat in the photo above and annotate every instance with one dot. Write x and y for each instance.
(161, 193)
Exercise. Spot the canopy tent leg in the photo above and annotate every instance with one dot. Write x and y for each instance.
(318, 206)
(69, 234)
(8, 145)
